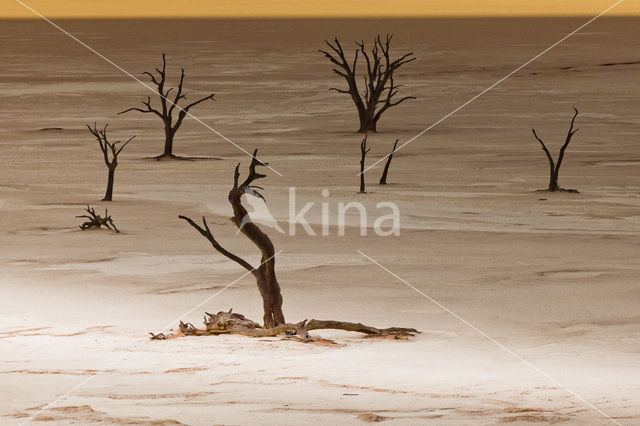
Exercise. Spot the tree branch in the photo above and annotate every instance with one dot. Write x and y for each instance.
(206, 232)
(570, 134)
(149, 109)
(124, 144)
(544, 148)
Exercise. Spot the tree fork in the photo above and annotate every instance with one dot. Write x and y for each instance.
(554, 167)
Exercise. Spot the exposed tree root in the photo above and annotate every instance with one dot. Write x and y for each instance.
(162, 157)
(233, 323)
(572, 191)
(167, 157)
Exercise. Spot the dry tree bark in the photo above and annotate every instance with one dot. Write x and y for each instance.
(167, 108)
(274, 323)
(379, 85)
(363, 153)
(233, 323)
(383, 178)
(94, 220)
(108, 147)
(554, 168)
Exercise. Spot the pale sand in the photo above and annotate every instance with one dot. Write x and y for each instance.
(556, 281)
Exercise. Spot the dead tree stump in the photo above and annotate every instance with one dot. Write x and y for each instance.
(94, 220)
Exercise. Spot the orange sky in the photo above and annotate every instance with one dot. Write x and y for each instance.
(305, 8)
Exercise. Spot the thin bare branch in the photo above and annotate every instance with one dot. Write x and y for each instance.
(206, 232)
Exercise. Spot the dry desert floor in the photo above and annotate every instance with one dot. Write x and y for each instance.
(552, 280)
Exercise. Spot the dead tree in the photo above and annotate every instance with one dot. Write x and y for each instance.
(265, 273)
(273, 320)
(168, 106)
(379, 85)
(110, 160)
(554, 168)
(383, 178)
(363, 154)
(94, 220)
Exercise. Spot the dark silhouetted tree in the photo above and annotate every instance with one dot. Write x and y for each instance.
(554, 167)
(168, 106)
(380, 88)
(265, 275)
(110, 152)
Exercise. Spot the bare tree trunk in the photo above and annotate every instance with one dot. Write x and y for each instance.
(168, 143)
(109, 194)
(266, 277)
(271, 299)
(363, 154)
(383, 178)
(367, 122)
(553, 179)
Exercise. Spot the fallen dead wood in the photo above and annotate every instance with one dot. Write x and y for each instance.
(234, 323)
(94, 220)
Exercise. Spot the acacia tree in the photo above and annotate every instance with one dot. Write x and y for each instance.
(379, 85)
(110, 152)
(167, 108)
(274, 321)
(554, 167)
